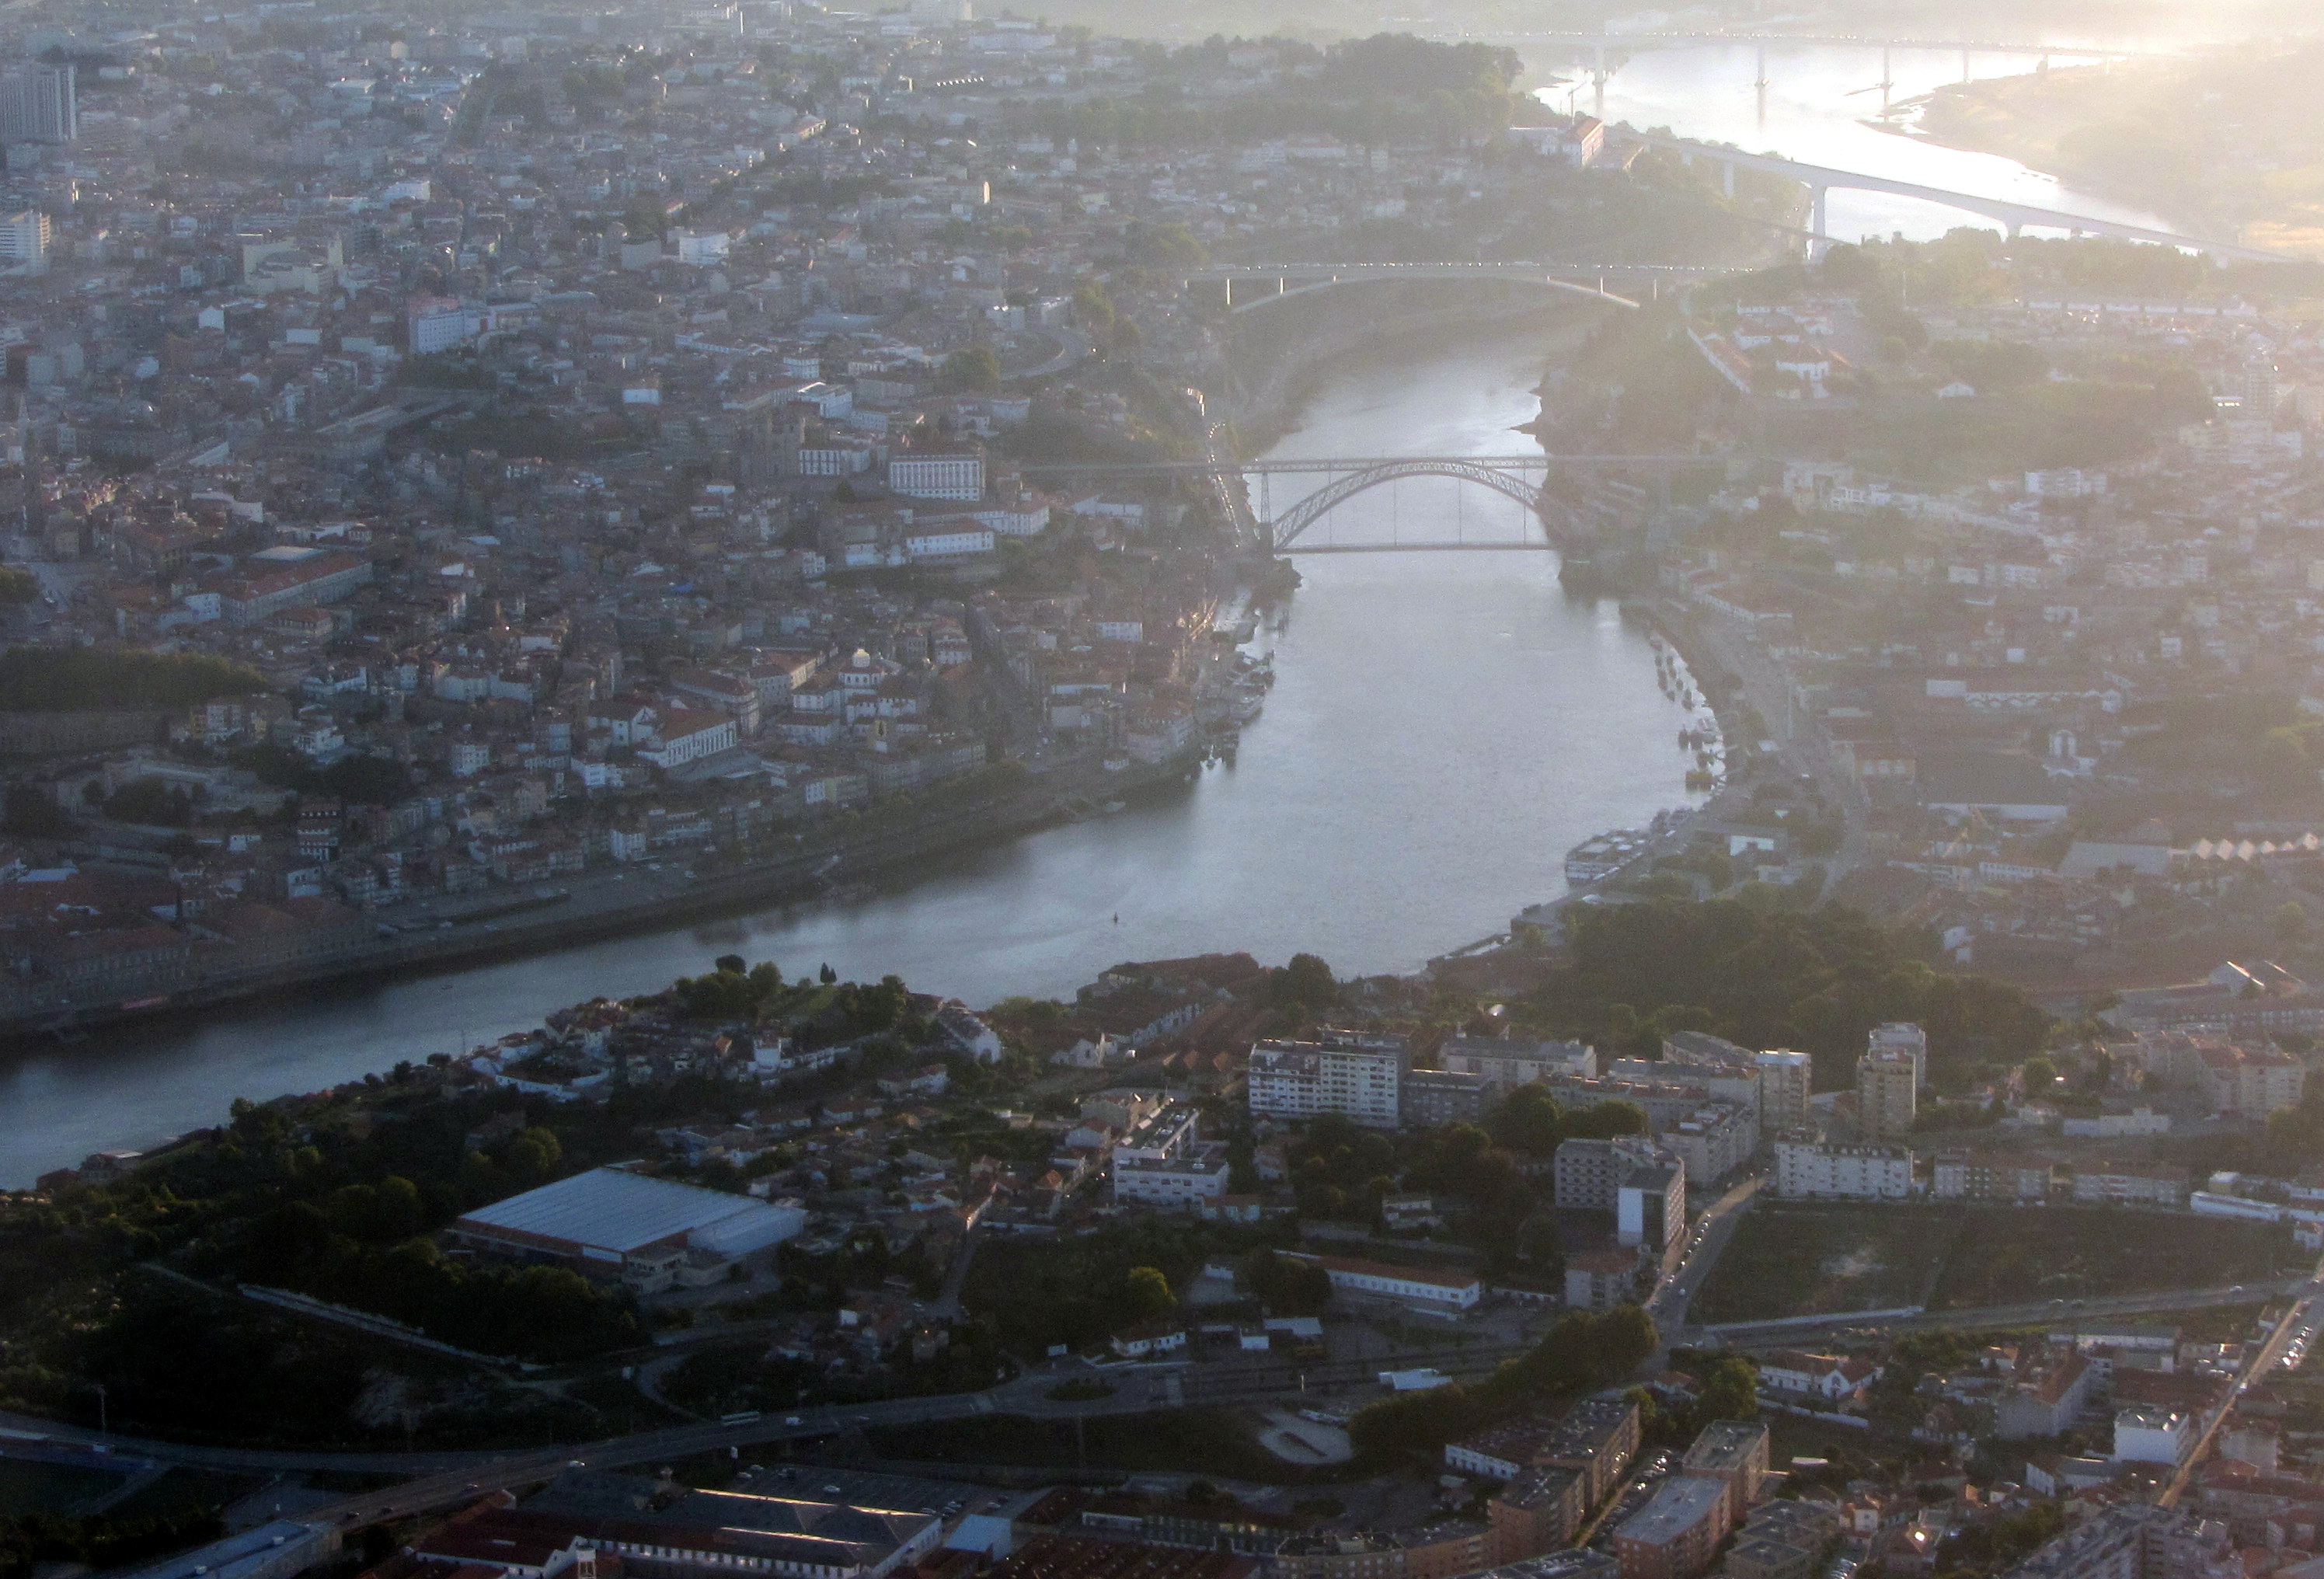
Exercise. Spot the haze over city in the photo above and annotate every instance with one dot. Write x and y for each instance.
(1274, 791)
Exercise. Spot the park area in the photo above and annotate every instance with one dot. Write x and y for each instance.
(1789, 1258)
(1793, 1258)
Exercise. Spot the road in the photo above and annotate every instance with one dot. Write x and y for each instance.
(1712, 1231)
(1800, 740)
(2304, 1312)
(433, 1480)
(1073, 348)
(2050, 1313)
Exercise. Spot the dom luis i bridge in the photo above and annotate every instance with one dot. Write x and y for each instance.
(1566, 500)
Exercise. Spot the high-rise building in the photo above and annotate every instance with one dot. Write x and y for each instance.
(1888, 1093)
(24, 238)
(37, 104)
(1899, 1037)
(1358, 1075)
(1786, 1080)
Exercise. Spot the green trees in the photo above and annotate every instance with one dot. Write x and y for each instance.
(1340, 1169)
(1286, 1287)
(49, 680)
(1146, 1294)
(971, 370)
(1528, 1121)
(1814, 980)
(1305, 983)
(1580, 1352)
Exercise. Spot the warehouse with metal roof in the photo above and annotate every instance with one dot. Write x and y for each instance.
(613, 1222)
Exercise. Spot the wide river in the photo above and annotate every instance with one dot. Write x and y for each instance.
(1444, 727)
(1819, 107)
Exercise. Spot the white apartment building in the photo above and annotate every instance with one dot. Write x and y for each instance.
(1509, 1064)
(1849, 1173)
(2150, 1433)
(689, 735)
(949, 544)
(938, 474)
(1358, 1075)
(1187, 1179)
(24, 238)
(2251, 1081)
(2132, 1183)
(1588, 1174)
(1714, 1141)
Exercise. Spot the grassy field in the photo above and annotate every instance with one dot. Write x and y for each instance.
(1196, 1440)
(1798, 1260)
(2014, 1256)
(183, 1488)
(1789, 1258)
(27, 1487)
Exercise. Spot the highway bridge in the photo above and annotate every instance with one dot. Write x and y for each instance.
(1611, 41)
(1298, 279)
(1821, 180)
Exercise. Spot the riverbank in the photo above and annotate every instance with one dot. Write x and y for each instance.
(591, 909)
(1287, 376)
(1443, 728)
(2113, 129)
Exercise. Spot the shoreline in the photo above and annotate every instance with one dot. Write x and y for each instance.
(536, 927)
(2030, 157)
(803, 876)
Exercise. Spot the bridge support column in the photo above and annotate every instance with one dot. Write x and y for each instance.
(1727, 177)
(1819, 201)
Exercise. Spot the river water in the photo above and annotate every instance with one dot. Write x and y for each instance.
(1816, 109)
(1443, 728)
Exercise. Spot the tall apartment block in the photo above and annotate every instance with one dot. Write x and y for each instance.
(1358, 1075)
(1888, 1093)
(37, 104)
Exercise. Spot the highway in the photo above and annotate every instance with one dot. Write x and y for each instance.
(2050, 1313)
(2304, 1311)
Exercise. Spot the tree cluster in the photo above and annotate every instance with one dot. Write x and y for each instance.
(1580, 1352)
(61, 680)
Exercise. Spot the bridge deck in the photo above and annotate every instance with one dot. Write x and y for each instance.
(2001, 208)
(1421, 547)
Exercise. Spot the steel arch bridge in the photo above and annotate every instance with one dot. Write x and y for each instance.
(1284, 530)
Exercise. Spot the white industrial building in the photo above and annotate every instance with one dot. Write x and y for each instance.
(1415, 1285)
(648, 1232)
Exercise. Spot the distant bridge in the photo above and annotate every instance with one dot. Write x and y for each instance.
(1819, 181)
(1298, 279)
(1512, 476)
(1673, 40)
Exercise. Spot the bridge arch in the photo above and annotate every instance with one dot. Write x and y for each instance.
(1285, 528)
(1310, 285)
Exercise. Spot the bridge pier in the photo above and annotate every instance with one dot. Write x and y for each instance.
(1819, 202)
(1727, 177)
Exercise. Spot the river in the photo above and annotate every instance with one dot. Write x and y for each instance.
(1443, 728)
(1816, 109)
